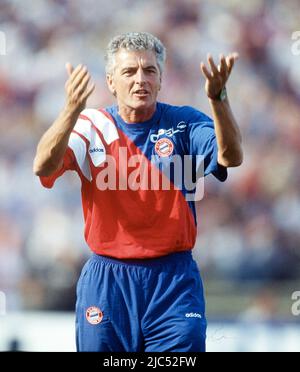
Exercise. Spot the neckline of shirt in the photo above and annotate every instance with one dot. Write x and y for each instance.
(140, 125)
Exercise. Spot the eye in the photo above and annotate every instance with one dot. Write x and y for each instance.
(128, 72)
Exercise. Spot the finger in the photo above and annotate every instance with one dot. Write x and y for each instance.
(79, 78)
(83, 85)
(69, 68)
(75, 73)
(223, 66)
(73, 76)
(229, 63)
(230, 60)
(72, 82)
(212, 65)
(205, 71)
(89, 92)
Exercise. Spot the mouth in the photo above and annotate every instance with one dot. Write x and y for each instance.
(141, 93)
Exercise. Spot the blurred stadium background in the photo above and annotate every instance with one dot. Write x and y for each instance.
(248, 246)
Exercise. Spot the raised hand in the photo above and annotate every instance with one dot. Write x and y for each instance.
(216, 77)
(77, 88)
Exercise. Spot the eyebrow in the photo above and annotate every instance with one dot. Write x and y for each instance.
(134, 68)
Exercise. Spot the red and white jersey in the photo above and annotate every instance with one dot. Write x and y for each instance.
(130, 222)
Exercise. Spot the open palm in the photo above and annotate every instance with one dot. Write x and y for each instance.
(216, 77)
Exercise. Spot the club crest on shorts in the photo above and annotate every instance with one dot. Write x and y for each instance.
(164, 147)
(94, 315)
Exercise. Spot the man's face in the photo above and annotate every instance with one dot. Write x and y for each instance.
(136, 79)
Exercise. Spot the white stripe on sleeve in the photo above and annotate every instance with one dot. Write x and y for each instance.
(78, 146)
(103, 124)
(96, 148)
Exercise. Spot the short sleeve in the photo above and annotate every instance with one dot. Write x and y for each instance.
(203, 142)
(75, 159)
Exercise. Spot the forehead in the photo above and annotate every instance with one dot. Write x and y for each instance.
(124, 58)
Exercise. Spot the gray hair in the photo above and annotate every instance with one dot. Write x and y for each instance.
(135, 41)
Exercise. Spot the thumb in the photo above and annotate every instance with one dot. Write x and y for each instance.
(69, 68)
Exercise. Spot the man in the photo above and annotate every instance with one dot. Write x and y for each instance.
(141, 290)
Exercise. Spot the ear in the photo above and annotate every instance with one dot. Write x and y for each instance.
(111, 84)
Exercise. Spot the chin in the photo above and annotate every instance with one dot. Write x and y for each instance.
(143, 105)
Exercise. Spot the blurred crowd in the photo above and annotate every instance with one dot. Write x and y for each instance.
(249, 227)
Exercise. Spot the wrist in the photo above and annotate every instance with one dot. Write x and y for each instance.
(69, 117)
(71, 112)
(221, 97)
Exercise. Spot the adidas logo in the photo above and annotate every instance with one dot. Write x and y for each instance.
(193, 315)
(92, 151)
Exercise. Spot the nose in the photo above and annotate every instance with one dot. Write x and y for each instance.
(140, 77)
